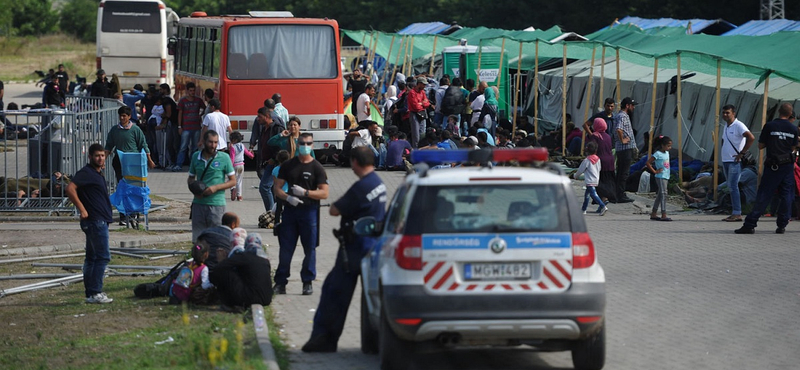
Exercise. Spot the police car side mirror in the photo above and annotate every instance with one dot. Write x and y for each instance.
(367, 226)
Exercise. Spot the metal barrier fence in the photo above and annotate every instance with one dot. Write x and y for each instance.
(42, 148)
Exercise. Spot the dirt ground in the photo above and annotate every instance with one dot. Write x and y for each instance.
(60, 235)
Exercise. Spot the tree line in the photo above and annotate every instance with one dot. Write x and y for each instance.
(79, 17)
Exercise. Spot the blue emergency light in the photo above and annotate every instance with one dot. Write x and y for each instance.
(433, 157)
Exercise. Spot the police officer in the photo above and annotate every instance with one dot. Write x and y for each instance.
(367, 197)
(779, 137)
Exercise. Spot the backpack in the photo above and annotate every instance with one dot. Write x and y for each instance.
(453, 101)
(187, 279)
(402, 109)
(161, 287)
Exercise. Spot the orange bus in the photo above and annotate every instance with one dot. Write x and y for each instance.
(246, 59)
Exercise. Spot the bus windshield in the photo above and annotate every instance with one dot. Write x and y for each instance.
(261, 52)
(131, 17)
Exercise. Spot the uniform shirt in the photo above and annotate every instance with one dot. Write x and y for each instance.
(307, 175)
(93, 193)
(127, 141)
(778, 136)
(732, 137)
(367, 197)
(218, 172)
(190, 109)
(662, 162)
(623, 122)
(219, 122)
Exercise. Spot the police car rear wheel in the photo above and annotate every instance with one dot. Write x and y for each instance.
(369, 336)
(395, 353)
(590, 353)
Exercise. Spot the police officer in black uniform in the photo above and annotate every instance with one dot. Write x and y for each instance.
(779, 137)
(367, 197)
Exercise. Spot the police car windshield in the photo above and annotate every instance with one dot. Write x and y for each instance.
(488, 208)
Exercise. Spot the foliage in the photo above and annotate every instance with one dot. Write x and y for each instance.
(33, 17)
(79, 18)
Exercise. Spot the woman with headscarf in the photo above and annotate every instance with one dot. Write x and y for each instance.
(605, 189)
(391, 98)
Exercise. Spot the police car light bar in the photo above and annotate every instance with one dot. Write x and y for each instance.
(526, 155)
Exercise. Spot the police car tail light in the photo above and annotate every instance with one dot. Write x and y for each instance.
(582, 251)
(521, 155)
(408, 253)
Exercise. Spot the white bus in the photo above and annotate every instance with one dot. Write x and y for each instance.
(132, 38)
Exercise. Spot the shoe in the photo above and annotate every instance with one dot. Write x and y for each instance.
(320, 343)
(603, 211)
(176, 168)
(239, 198)
(780, 230)
(99, 298)
(307, 289)
(584, 212)
(665, 219)
(279, 289)
(733, 218)
(746, 230)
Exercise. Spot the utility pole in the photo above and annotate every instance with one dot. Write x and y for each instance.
(772, 9)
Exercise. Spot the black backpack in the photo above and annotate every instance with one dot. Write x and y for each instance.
(453, 101)
(397, 118)
(161, 287)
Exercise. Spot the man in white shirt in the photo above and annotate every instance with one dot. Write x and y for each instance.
(219, 122)
(364, 137)
(736, 140)
(364, 103)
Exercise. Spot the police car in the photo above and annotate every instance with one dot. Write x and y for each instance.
(482, 256)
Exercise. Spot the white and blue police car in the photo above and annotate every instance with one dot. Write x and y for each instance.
(482, 255)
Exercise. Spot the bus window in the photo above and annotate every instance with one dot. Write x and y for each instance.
(282, 52)
(200, 37)
(131, 17)
(192, 67)
(215, 65)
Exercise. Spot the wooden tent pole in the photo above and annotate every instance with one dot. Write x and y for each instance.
(680, 124)
(564, 103)
(386, 65)
(363, 40)
(619, 93)
(764, 105)
(653, 109)
(716, 128)
(396, 60)
(433, 54)
(480, 54)
(500, 70)
(601, 101)
(411, 57)
(536, 92)
(588, 100)
(516, 90)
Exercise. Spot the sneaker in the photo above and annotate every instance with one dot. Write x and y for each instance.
(307, 289)
(603, 211)
(780, 230)
(279, 289)
(99, 298)
(319, 343)
(746, 230)
(584, 212)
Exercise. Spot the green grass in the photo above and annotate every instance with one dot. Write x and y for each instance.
(55, 329)
(20, 56)
(281, 349)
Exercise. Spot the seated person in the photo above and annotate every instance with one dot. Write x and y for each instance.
(44, 188)
(244, 278)
(219, 237)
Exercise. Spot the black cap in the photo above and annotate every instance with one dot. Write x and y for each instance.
(100, 72)
(627, 101)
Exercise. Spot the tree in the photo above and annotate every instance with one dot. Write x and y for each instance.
(79, 18)
(33, 17)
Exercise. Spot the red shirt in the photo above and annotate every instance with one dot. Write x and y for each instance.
(417, 100)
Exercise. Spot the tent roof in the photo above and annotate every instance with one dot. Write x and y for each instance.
(424, 28)
(758, 28)
(698, 25)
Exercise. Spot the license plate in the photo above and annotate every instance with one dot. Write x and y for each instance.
(497, 271)
(130, 73)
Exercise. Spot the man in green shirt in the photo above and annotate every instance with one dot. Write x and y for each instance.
(127, 138)
(212, 168)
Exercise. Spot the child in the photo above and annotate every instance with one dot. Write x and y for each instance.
(192, 284)
(238, 151)
(590, 168)
(662, 144)
(156, 115)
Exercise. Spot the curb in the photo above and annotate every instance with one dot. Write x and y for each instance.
(164, 219)
(262, 336)
(81, 246)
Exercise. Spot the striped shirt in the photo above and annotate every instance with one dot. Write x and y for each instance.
(623, 122)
